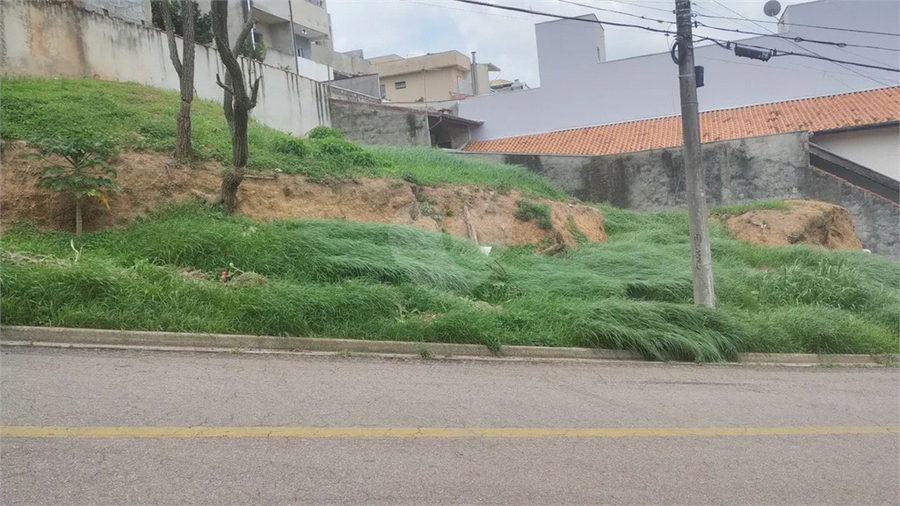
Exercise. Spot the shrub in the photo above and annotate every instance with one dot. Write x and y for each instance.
(324, 132)
(344, 152)
(291, 146)
(527, 211)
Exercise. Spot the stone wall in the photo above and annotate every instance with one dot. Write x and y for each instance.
(379, 124)
(745, 170)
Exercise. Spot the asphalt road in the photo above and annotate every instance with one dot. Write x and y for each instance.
(130, 427)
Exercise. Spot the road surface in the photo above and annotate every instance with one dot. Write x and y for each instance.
(137, 427)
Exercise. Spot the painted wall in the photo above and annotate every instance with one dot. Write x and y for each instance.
(51, 40)
(576, 94)
(432, 85)
(344, 63)
(366, 85)
(769, 167)
(568, 47)
(877, 149)
(378, 124)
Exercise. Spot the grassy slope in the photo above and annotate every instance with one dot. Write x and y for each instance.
(141, 117)
(339, 279)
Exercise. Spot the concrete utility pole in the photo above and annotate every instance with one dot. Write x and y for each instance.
(701, 257)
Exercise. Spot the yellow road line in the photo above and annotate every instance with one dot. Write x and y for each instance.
(425, 432)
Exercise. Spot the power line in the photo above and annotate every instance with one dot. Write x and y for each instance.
(839, 63)
(795, 39)
(727, 44)
(636, 3)
(616, 12)
(559, 16)
(835, 28)
(466, 10)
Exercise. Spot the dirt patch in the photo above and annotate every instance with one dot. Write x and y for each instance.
(807, 221)
(150, 179)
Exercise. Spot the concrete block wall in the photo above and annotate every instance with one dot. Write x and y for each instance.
(133, 10)
(739, 171)
(45, 39)
(378, 124)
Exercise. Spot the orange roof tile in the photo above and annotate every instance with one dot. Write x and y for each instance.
(808, 114)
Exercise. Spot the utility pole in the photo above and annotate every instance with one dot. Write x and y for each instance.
(701, 257)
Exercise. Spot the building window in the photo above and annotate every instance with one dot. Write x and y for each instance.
(383, 94)
(400, 85)
(300, 52)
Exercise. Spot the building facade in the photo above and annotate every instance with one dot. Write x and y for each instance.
(579, 87)
(431, 78)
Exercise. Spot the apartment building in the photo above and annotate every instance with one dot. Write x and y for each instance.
(297, 33)
(431, 78)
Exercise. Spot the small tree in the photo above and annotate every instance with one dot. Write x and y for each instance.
(87, 173)
(184, 149)
(236, 104)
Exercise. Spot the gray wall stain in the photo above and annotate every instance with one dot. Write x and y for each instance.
(375, 124)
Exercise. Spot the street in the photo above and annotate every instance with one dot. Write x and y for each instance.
(86, 427)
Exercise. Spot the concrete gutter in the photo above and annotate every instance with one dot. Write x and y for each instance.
(101, 338)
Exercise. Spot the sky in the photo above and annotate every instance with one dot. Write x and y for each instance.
(506, 39)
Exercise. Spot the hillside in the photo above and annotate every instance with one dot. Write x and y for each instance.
(160, 266)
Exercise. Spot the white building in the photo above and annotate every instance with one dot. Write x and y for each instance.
(297, 33)
(580, 88)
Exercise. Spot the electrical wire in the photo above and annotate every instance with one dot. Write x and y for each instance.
(795, 39)
(727, 44)
(623, 13)
(466, 10)
(840, 63)
(559, 16)
(835, 28)
(720, 42)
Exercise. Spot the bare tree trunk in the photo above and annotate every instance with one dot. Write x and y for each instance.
(78, 222)
(237, 104)
(183, 144)
(184, 148)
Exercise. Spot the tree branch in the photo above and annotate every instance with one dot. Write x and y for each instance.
(223, 86)
(254, 93)
(245, 31)
(170, 34)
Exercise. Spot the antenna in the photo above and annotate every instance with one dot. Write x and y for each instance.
(772, 8)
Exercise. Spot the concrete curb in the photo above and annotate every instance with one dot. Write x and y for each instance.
(102, 338)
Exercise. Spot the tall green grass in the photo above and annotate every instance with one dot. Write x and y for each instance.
(339, 279)
(141, 117)
(350, 280)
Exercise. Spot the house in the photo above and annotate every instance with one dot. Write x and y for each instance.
(862, 127)
(581, 87)
(431, 78)
(842, 148)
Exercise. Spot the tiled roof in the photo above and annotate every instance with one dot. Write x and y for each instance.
(809, 114)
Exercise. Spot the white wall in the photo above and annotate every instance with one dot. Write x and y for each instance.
(57, 40)
(877, 149)
(313, 70)
(579, 93)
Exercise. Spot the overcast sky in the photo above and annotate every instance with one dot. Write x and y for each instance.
(506, 39)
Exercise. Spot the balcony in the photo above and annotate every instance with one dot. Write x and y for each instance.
(309, 15)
